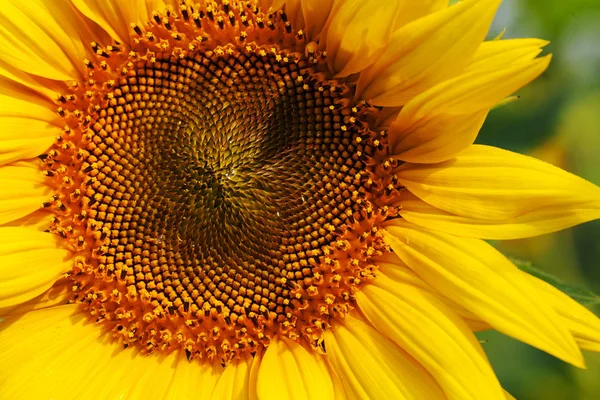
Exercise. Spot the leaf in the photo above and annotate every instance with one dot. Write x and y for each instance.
(578, 293)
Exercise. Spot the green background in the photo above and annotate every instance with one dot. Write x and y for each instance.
(557, 119)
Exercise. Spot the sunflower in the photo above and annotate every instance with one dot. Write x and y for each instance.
(268, 199)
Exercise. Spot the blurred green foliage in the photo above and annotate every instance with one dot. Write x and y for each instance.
(557, 119)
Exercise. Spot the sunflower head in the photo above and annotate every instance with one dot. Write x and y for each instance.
(217, 191)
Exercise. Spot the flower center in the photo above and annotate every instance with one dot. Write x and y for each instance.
(216, 187)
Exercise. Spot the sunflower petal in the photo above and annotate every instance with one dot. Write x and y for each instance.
(116, 16)
(443, 344)
(505, 52)
(233, 382)
(140, 376)
(30, 262)
(396, 270)
(43, 38)
(338, 386)
(293, 10)
(25, 189)
(508, 396)
(192, 380)
(26, 146)
(39, 220)
(426, 128)
(51, 341)
(479, 278)
(350, 50)
(27, 127)
(48, 342)
(425, 52)
(488, 183)
(316, 13)
(371, 366)
(11, 76)
(125, 374)
(435, 138)
(475, 90)
(290, 371)
(59, 294)
(357, 34)
(581, 322)
(270, 4)
(412, 10)
(533, 223)
(253, 375)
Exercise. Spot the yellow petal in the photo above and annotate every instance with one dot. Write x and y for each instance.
(25, 188)
(359, 31)
(253, 375)
(30, 262)
(233, 382)
(65, 350)
(371, 366)
(533, 223)
(192, 379)
(272, 4)
(508, 396)
(59, 294)
(338, 386)
(444, 120)
(39, 220)
(581, 322)
(357, 34)
(45, 38)
(17, 100)
(472, 91)
(25, 146)
(293, 11)
(505, 52)
(412, 10)
(395, 269)
(27, 126)
(49, 342)
(25, 82)
(476, 276)
(488, 183)
(316, 13)
(122, 373)
(435, 138)
(433, 335)
(136, 376)
(425, 52)
(265, 5)
(116, 16)
(289, 371)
